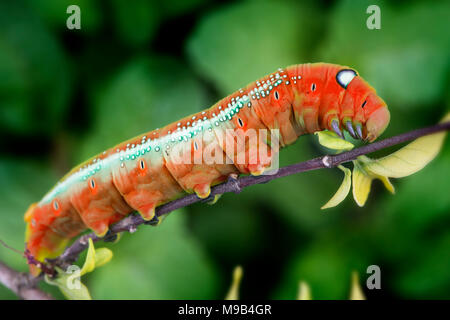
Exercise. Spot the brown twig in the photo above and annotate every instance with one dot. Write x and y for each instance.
(235, 185)
(22, 284)
(131, 222)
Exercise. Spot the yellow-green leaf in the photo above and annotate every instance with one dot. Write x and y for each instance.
(233, 293)
(362, 182)
(70, 285)
(356, 292)
(343, 190)
(331, 140)
(409, 159)
(102, 256)
(304, 292)
(89, 264)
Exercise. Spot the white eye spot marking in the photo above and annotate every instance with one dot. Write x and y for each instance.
(345, 76)
(55, 205)
(276, 95)
(92, 184)
(142, 164)
(241, 123)
(313, 87)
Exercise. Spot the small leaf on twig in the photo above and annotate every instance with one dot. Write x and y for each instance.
(401, 163)
(343, 190)
(362, 182)
(69, 282)
(409, 159)
(331, 140)
(70, 285)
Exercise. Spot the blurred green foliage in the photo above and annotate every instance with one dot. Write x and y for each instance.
(66, 95)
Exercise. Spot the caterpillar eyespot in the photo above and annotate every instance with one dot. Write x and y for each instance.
(92, 184)
(345, 76)
(55, 205)
(75, 203)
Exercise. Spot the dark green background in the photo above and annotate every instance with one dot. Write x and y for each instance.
(66, 95)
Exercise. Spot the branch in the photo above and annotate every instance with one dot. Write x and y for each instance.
(131, 222)
(22, 284)
(24, 287)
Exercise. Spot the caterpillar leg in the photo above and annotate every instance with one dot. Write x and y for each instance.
(215, 199)
(155, 221)
(202, 190)
(99, 204)
(114, 238)
(199, 162)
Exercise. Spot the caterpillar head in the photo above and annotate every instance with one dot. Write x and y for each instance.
(377, 118)
(367, 108)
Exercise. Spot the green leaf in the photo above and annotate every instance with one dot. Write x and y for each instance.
(89, 263)
(409, 159)
(362, 182)
(343, 190)
(70, 285)
(102, 256)
(331, 140)
(69, 282)
(95, 258)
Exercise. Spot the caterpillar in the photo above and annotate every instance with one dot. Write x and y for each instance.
(141, 173)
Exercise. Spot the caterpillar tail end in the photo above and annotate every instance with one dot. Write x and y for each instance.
(41, 241)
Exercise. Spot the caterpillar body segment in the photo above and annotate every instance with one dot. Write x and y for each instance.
(151, 169)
